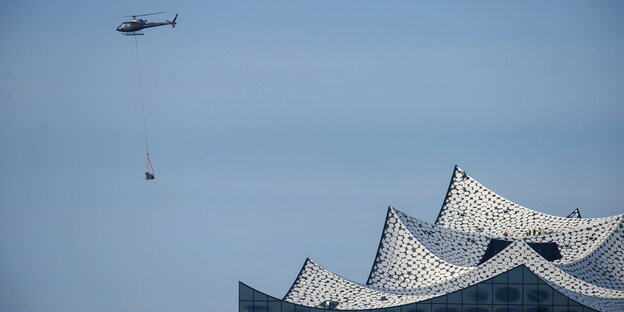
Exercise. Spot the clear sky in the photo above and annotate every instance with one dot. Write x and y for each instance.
(283, 130)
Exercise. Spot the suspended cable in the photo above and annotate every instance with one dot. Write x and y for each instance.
(149, 170)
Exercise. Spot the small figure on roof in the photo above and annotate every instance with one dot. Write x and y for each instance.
(505, 234)
(149, 176)
(464, 175)
(539, 231)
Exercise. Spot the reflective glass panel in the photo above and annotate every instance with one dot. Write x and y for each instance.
(470, 294)
(500, 293)
(529, 277)
(244, 292)
(559, 299)
(409, 308)
(302, 309)
(260, 306)
(454, 308)
(288, 307)
(499, 308)
(485, 294)
(545, 294)
(423, 307)
(530, 294)
(514, 294)
(260, 296)
(515, 275)
(500, 279)
(245, 306)
(275, 306)
(455, 297)
(441, 299)
(438, 307)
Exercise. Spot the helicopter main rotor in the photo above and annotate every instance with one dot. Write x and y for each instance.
(137, 15)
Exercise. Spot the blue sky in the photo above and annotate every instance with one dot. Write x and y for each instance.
(283, 130)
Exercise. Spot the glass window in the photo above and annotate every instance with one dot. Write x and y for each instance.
(485, 294)
(515, 275)
(275, 306)
(573, 303)
(302, 309)
(245, 306)
(559, 299)
(530, 294)
(500, 279)
(454, 308)
(514, 308)
(500, 293)
(470, 308)
(529, 277)
(244, 292)
(538, 309)
(455, 297)
(260, 306)
(438, 307)
(514, 294)
(545, 294)
(441, 299)
(470, 294)
(260, 296)
(423, 307)
(288, 307)
(499, 308)
(409, 308)
(394, 309)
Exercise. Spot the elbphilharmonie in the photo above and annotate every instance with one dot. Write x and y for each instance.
(483, 253)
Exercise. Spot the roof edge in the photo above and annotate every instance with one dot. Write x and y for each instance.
(446, 195)
(305, 263)
(383, 233)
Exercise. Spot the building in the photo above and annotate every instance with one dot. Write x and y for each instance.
(484, 253)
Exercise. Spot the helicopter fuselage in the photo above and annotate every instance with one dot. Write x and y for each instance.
(135, 25)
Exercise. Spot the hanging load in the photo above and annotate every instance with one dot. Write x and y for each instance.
(149, 171)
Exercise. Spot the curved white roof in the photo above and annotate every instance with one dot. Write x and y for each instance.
(471, 207)
(413, 253)
(416, 260)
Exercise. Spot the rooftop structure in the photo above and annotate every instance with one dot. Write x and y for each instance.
(483, 253)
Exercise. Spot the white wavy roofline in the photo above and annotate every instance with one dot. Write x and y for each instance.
(458, 169)
(582, 288)
(574, 223)
(587, 294)
(417, 242)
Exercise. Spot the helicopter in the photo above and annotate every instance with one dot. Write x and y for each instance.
(134, 26)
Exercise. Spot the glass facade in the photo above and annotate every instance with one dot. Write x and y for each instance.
(517, 290)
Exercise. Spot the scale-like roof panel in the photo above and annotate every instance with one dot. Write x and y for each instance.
(471, 207)
(417, 261)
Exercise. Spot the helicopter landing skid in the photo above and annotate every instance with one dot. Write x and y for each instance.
(133, 33)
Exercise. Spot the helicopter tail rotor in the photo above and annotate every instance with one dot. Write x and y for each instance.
(173, 21)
